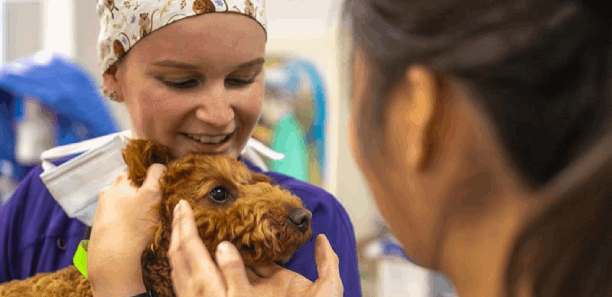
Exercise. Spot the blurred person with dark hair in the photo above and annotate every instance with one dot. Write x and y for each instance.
(465, 115)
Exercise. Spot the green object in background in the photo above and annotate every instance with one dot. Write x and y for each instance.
(80, 258)
(289, 140)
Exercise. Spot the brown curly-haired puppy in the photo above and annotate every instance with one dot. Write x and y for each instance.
(264, 221)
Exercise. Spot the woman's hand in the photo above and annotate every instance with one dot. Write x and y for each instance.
(274, 280)
(122, 228)
(195, 274)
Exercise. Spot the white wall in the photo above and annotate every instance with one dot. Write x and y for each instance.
(21, 28)
(60, 26)
(2, 34)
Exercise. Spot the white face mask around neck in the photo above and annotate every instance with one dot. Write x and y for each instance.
(76, 183)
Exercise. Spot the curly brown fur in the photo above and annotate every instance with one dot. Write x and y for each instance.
(66, 282)
(254, 217)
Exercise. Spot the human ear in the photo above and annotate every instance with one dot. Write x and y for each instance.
(411, 114)
(111, 83)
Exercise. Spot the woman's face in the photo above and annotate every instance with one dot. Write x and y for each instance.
(196, 85)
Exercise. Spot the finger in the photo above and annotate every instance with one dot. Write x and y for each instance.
(180, 271)
(329, 282)
(178, 282)
(185, 222)
(326, 259)
(233, 269)
(196, 255)
(175, 233)
(154, 173)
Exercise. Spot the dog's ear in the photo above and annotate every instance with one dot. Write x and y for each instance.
(261, 178)
(140, 154)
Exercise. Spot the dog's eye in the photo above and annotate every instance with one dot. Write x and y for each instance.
(219, 194)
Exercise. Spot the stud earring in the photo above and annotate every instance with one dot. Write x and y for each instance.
(112, 96)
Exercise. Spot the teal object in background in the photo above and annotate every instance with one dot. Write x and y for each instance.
(294, 118)
(304, 70)
(289, 139)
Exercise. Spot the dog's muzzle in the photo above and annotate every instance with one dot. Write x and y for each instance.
(300, 218)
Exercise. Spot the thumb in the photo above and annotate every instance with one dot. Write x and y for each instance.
(154, 173)
(327, 264)
(233, 269)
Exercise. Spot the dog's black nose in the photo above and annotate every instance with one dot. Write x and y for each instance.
(300, 217)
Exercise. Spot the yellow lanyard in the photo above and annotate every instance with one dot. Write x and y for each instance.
(80, 258)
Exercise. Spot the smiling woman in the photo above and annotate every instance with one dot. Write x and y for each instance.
(215, 84)
(190, 73)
